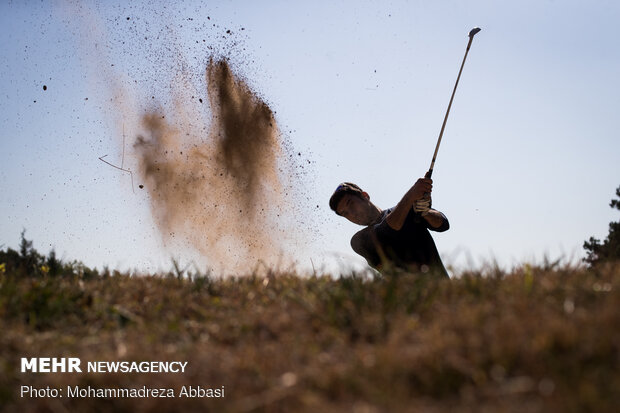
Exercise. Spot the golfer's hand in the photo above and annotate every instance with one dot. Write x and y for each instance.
(423, 187)
(422, 206)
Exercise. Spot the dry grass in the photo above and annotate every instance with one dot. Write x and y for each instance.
(533, 339)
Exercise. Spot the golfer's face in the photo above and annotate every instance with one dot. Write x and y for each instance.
(355, 208)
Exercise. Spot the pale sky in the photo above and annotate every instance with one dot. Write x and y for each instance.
(527, 166)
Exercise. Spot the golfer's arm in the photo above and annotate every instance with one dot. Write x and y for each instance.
(396, 218)
(436, 220)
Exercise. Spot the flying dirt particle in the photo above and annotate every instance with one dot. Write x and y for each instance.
(141, 186)
(200, 100)
(44, 87)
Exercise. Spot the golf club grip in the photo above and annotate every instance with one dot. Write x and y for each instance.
(428, 175)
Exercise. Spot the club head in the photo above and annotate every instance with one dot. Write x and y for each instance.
(473, 31)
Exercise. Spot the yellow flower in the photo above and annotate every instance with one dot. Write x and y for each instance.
(45, 269)
(2, 268)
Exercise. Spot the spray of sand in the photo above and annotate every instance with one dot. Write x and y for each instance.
(221, 180)
(218, 187)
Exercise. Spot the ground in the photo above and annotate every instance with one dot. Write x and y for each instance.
(536, 338)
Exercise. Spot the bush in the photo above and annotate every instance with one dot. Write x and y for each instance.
(609, 249)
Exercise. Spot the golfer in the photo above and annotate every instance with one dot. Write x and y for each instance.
(396, 238)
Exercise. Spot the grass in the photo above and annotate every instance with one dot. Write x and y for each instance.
(537, 338)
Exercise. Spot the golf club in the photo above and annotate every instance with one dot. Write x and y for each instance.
(472, 33)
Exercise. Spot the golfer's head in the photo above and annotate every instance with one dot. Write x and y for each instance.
(352, 203)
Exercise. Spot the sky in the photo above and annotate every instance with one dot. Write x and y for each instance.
(526, 169)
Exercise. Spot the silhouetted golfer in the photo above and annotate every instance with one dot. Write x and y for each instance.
(397, 237)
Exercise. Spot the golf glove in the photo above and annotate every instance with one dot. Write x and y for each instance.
(422, 206)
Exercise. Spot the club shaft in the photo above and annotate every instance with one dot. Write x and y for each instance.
(445, 119)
